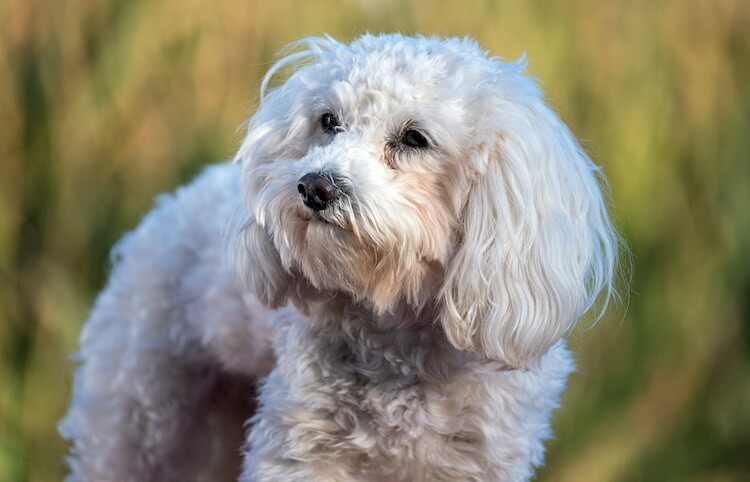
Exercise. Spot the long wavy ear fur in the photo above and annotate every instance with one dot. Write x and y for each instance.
(260, 266)
(537, 244)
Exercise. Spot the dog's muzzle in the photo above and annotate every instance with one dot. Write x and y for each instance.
(318, 190)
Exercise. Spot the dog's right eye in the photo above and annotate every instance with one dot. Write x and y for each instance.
(329, 123)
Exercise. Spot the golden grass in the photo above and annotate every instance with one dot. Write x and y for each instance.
(104, 104)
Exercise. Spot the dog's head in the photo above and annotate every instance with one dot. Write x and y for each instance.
(420, 171)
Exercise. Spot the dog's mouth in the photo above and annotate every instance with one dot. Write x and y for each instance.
(339, 221)
(313, 218)
(316, 218)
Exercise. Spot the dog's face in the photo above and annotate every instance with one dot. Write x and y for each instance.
(419, 171)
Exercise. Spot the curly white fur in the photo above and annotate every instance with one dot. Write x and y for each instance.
(421, 314)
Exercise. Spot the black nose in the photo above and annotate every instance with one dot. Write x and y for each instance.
(317, 190)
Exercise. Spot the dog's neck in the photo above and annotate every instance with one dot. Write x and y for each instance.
(404, 343)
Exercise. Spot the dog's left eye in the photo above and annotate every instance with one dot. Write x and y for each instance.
(413, 138)
(329, 123)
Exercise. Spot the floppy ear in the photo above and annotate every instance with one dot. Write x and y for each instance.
(260, 267)
(537, 246)
(255, 255)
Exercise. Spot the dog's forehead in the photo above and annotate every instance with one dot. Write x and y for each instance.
(404, 70)
(399, 78)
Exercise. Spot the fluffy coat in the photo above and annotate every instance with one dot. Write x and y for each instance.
(412, 329)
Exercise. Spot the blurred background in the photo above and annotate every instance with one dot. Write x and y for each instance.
(104, 104)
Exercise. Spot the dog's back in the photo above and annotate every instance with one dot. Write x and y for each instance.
(172, 348)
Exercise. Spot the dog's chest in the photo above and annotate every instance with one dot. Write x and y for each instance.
(397, 412)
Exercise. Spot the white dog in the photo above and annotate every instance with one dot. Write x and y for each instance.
(429, 231)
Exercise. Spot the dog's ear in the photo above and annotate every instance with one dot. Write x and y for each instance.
(536, 246)
(259, 265)
(254, 252)
(255, 255)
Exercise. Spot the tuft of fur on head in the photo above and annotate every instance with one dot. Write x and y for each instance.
(499, 226)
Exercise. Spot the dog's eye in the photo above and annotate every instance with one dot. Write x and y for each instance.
(414, 138)
(329, 123)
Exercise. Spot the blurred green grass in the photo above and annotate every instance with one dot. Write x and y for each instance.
(104, 104)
